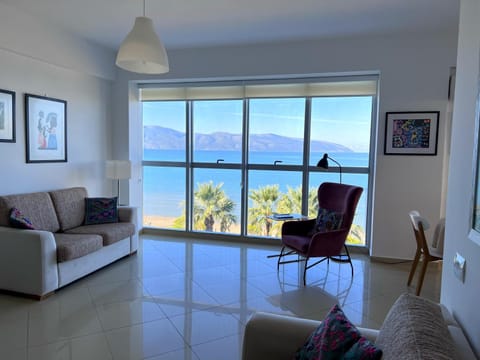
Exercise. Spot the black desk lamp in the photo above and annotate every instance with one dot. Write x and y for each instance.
(323, 163)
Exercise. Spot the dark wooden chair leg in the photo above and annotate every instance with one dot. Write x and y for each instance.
(414, 266)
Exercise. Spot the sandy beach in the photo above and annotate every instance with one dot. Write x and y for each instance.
(166, 222)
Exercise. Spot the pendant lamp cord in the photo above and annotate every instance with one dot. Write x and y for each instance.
(143, 8)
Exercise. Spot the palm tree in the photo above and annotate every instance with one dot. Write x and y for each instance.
(291, 202)
(264, 204)
(212, 204)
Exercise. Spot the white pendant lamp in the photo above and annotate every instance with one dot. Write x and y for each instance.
(142, 50)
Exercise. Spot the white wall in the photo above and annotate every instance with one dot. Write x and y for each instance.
(414, 76)
(463, 298)
(39, 59)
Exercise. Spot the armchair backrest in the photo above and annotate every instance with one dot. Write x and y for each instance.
(340, 198)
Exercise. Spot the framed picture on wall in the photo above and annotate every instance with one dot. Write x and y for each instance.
(7, 116)
(411, 133)
(46, 129)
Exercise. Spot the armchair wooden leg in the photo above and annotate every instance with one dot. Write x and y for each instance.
(422, 275)
(414, 266)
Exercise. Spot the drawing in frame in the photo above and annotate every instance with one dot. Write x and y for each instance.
(7, 116)
(411, 133)
(45, 129)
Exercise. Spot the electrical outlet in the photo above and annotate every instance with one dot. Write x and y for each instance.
(459, 267)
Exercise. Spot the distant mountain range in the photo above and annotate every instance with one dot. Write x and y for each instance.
(161, 138)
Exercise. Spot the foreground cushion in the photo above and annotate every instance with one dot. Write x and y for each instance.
(414, 329)
(337, 338)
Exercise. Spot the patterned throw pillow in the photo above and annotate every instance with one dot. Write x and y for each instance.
(363, 349)
(20, 221)
(100, 210)
(335, 338)
(328, 220)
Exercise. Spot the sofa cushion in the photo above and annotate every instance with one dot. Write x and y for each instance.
(414, 329)
(337, 338)
(72, 246)
(111, 233)
(20, 221)
(100, 210)
(70, 206)
(38, 207)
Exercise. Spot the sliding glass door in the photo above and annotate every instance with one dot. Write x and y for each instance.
(221, 163)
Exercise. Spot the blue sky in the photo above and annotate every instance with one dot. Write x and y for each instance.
(342, 120)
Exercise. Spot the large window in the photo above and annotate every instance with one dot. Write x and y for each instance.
(223, 159)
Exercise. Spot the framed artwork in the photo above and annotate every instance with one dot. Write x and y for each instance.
(7, 116)
(411, 133)
(46, 129)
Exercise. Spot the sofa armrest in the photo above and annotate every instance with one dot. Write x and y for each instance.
(270, 336)
(129, 214)
(28, 261)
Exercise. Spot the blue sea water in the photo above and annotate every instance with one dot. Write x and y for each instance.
(165, 187)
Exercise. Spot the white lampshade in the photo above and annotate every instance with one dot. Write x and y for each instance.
(142, 50)
(118, 169)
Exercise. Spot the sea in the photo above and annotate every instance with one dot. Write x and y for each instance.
(165, 187)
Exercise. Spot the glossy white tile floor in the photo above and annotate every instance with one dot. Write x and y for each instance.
(190, 300)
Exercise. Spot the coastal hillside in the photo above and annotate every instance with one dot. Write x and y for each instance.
(161, 138)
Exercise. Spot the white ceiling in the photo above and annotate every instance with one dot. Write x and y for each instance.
(192, 23)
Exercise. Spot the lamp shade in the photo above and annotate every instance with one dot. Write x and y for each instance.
(142, 50)
(323, 162)
(118, 169)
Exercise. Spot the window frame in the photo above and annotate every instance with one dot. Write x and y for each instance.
(245, 167)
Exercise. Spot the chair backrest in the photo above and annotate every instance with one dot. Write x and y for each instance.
(420, 224)
(341, 198)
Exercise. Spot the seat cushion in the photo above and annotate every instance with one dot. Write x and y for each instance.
(72, 246)
(37, 207)
(297, 242)
(110, 233)
(415, 329)
(70, 206)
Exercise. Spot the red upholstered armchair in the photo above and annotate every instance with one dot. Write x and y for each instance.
(325, 236)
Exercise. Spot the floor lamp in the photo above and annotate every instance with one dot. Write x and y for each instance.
(118, 170)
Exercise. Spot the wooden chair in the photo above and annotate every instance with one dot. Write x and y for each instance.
(428, 253)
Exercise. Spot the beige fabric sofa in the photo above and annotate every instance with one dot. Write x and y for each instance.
(60, 249)
(414, 329)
